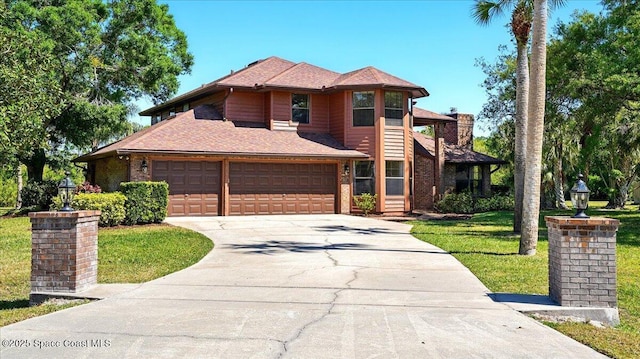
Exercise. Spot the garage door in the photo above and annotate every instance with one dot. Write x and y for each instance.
(194, 186)
(282, 188)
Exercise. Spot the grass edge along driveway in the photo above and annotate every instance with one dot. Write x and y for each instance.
(487, 246)
(125, 255)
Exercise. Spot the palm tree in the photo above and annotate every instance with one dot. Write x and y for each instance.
(521, 21)
(535, 131)
(483, 12)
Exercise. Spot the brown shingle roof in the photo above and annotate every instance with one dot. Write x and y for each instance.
(256, 73)
(452, 154)
(186, 134)
(279, 73)
(303, 75)
(419, 113)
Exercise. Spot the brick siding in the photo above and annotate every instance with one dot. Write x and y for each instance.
(424, 183)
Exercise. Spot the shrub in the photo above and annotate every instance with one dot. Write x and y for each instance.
(366, 202)
(456, 203)
(146, 201)
(8, 192)
(464, 203)
(495, 203)
(112, 206)
(87, 187)
(39, 194)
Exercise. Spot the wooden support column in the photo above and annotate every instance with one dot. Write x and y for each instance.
(224, 193)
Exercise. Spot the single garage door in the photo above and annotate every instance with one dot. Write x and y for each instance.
(194, 186)
(281, 188)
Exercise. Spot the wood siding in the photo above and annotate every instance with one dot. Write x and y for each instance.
(245, 106)
(281, 110)
(337, 116)
(362, 139)
(268, 101)
(394, 204)
(319, 120)
(394, 143)
(216, 100)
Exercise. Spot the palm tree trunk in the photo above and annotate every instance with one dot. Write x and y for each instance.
(558, 184)
(535, 129)
(522, 101)
(20, 185)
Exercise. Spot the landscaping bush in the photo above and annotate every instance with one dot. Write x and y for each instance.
(87, 187)
(464, 203)
(366, 202)
(112, 206)
(146, 201)
(39, 195)
(456, 203)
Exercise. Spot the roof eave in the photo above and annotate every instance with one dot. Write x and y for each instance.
(90, 157)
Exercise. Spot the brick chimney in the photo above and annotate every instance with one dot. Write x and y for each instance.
(460, 133)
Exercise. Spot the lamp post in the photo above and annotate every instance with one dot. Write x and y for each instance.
(65, 192)
(580, 197)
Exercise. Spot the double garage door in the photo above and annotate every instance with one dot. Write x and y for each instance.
(195, 187)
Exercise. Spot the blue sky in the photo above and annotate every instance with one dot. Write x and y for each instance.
(432, 43)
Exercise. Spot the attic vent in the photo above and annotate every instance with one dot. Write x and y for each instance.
(253, 63)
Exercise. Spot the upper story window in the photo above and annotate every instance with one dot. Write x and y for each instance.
(393, 108)
(300, 108)
(363, 108)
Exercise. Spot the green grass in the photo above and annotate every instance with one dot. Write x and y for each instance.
(486, 245)
(125, 255)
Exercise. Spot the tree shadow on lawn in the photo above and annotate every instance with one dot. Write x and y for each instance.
(14, 304)
(494, 254)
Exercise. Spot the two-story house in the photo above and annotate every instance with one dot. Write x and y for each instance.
(275, 137)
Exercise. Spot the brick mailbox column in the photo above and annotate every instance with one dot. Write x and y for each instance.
(582, 261)
(64, 252)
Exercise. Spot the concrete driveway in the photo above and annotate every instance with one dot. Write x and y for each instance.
(326, 286)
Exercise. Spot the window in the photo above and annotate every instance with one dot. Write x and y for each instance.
(393, 108)
(469, 178)
(300, 108)
(394, 174)
(363, 108)
(185, 107)
(364, 178)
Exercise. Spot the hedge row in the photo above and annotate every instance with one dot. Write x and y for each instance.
(465, 203)
(136, 203)
(146, 201)
(110, 204)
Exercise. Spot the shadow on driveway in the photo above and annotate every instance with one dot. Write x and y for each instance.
(273, 247)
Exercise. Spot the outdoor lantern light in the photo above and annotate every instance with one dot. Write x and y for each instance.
(580, 197)
(65, 192)
(345, 169)
(143, 166)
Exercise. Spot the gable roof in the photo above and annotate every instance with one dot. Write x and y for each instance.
(274, 72)
(426, 145)
(194, 132)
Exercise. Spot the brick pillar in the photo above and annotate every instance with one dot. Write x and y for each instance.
(345, 186)
(64, 252)
(582, 261)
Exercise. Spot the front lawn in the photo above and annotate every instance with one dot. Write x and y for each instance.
(486, 245)
(125, 255)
